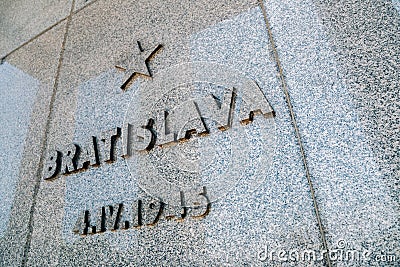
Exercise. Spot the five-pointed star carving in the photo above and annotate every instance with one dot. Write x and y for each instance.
(138, 66)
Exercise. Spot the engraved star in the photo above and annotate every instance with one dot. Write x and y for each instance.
(138, 66)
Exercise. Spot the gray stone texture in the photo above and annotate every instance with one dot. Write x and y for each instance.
(26, 94)
(90, 101)
(340, 67)
(80, 4)
(22, 20)
(341, 64)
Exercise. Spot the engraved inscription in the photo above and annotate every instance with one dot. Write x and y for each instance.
(141, 213)
(170, 128)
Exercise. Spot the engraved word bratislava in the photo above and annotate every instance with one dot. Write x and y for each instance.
(194, 125)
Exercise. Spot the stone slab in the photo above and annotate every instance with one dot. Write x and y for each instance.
(151, 156)
(22, 20)
(341, 64)
(276, 209)
(26, 80)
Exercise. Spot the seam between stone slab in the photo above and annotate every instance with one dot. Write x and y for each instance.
(43, 32)
(293, 119)
(32, 39)
(45, 143)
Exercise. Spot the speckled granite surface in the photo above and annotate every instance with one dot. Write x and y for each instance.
(341, 65)
(26, 95)
(313, 167)
(23, 20)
